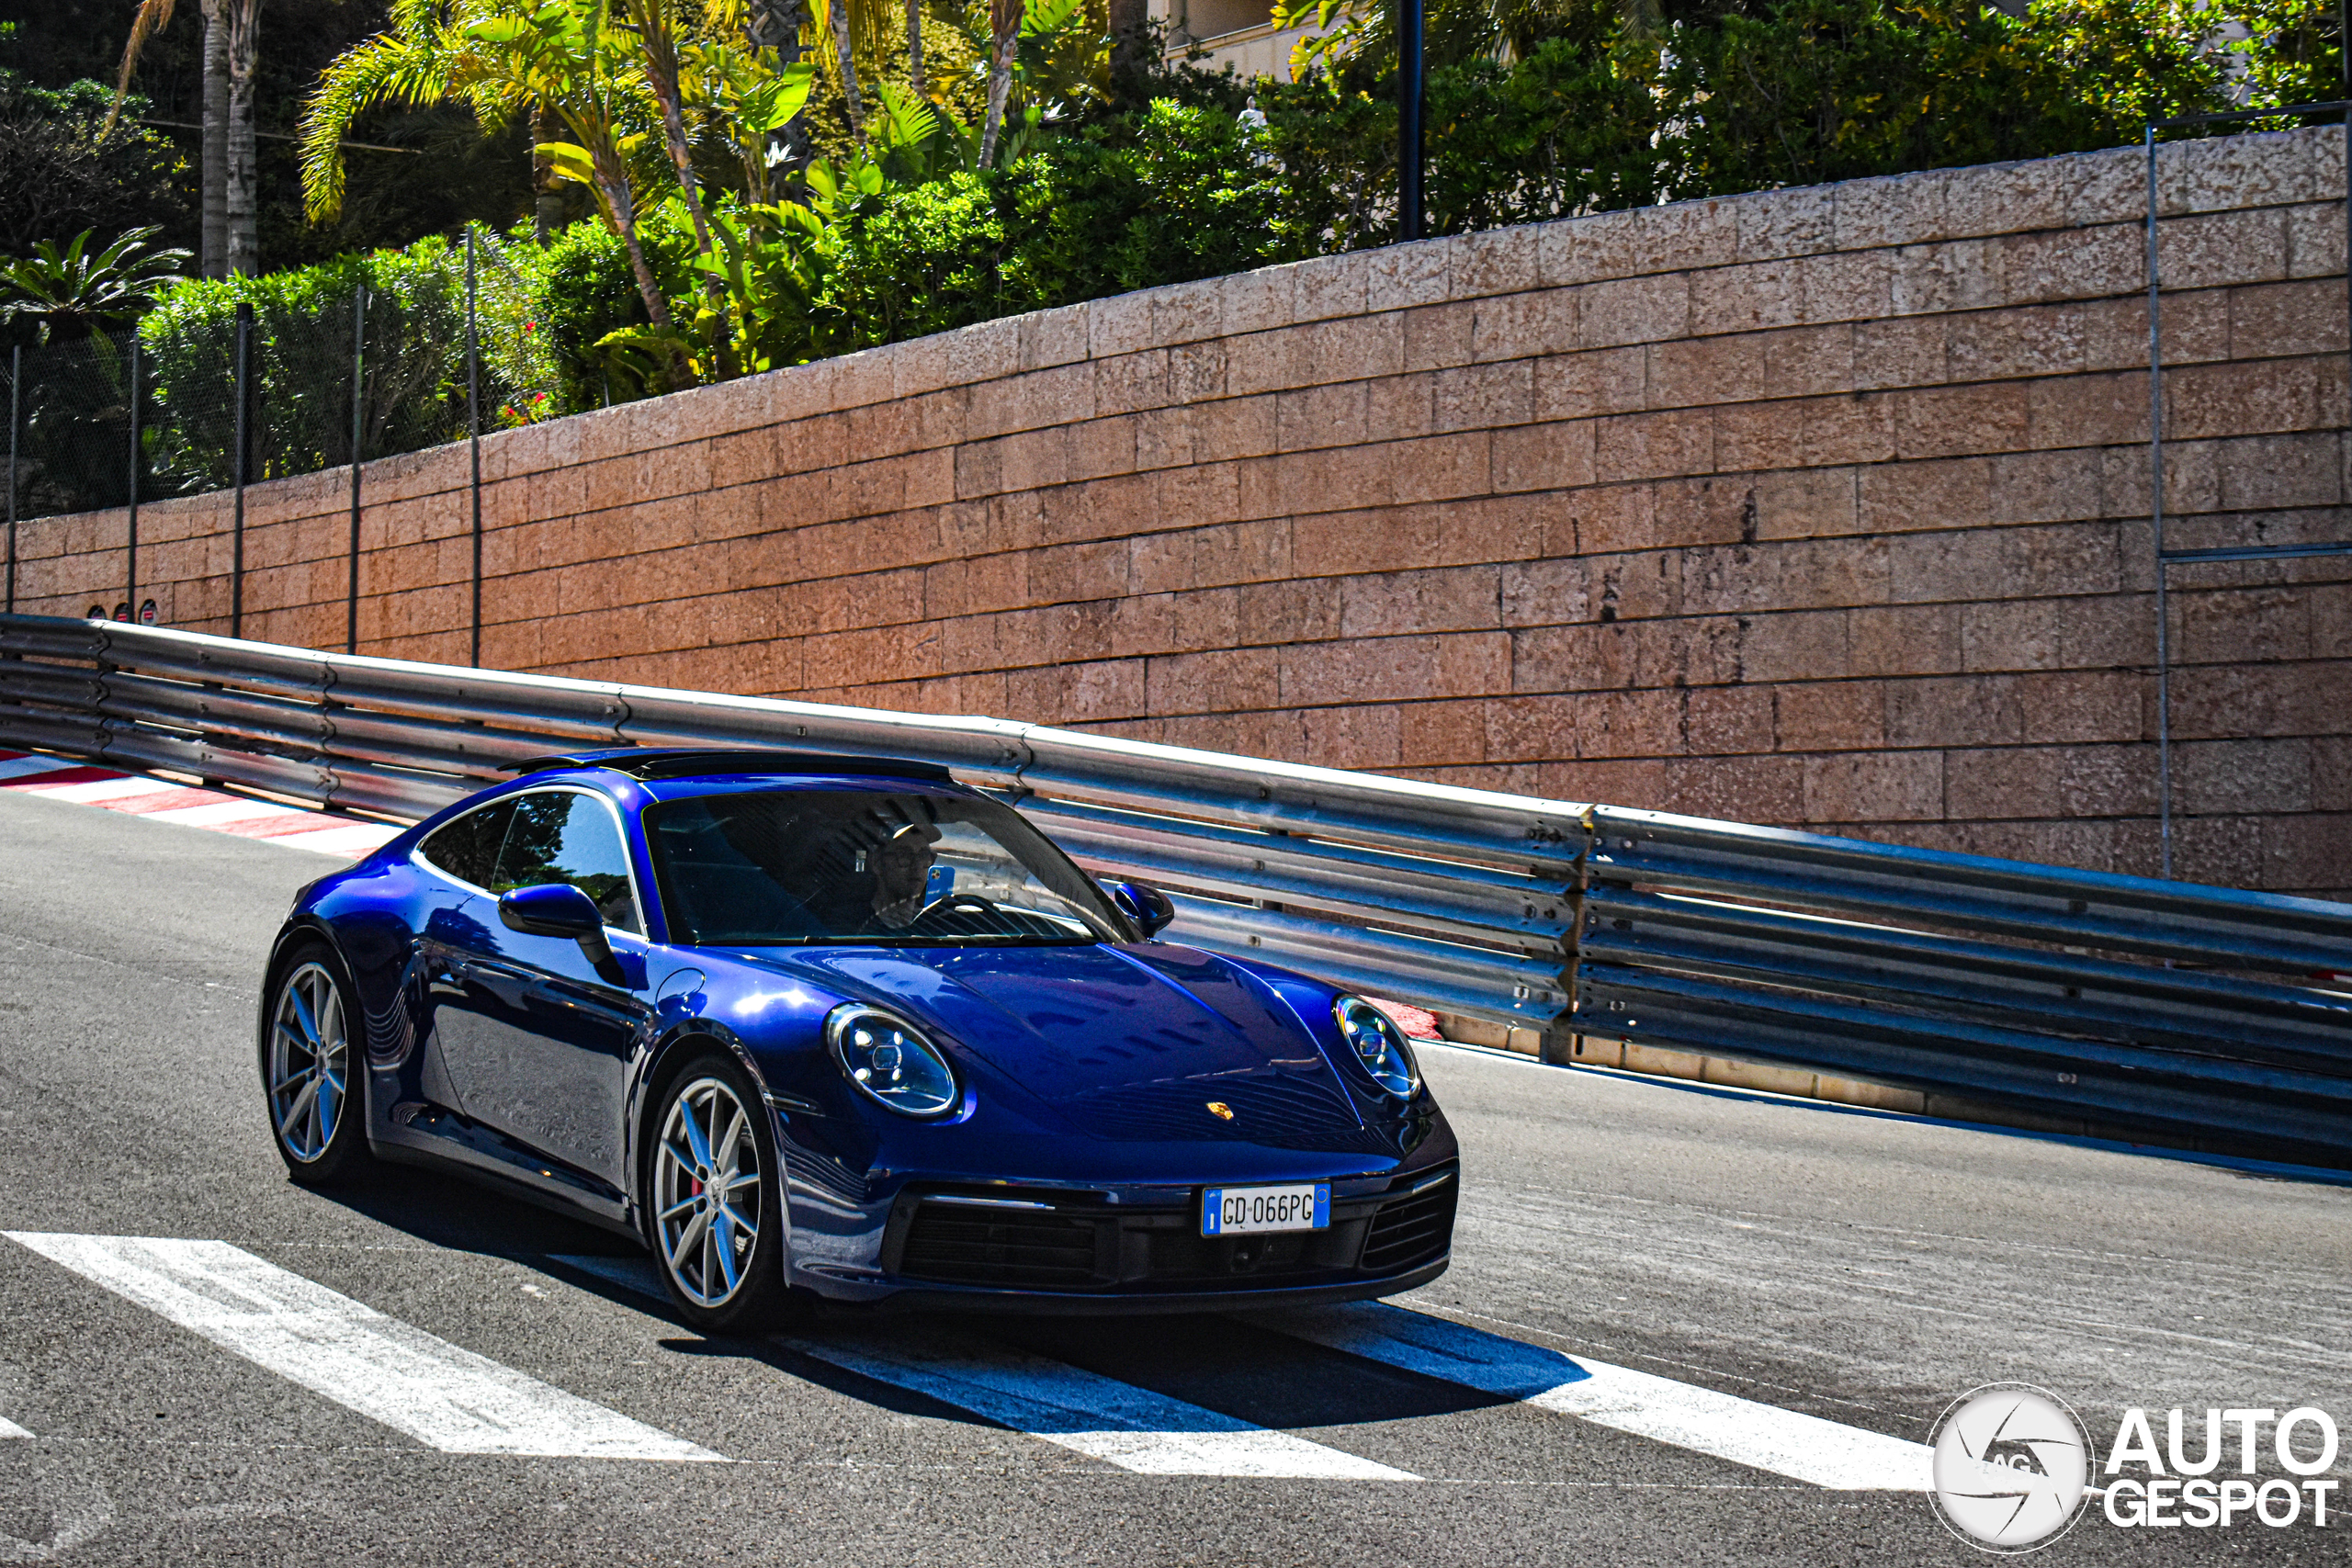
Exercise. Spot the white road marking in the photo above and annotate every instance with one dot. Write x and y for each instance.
(10, 1429)
(1786, 1442)
(445, 1397)
(24, 767)
(319, 832)
(350, 842)
(1101, 1417)
(1118, 1423)
(222, 811)
(95, 790)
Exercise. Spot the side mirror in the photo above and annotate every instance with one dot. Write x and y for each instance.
(1145, 905)
(557, 908)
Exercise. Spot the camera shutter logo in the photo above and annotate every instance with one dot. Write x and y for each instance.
(2012, 1467)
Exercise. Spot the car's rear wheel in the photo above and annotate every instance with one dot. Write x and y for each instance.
(316, 1112)
(715, 1200)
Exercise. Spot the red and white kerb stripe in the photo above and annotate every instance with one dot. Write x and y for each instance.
(62, 778)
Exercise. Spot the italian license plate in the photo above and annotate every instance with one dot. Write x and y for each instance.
(1249, 1211)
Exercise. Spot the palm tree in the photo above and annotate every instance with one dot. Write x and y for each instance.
(232, 37)
(1004, 26)
(151, 17)
(852, 24)
(1130, 45)
(657, 42)
(563, 57)
(424, 57)
(776, 24)
(242, 201)
(559, 61)
(73, 292)
(837, 13)
(914, 48)
(214, 238)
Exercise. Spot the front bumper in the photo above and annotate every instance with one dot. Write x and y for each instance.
(1053, 1250)
(1051, 1304)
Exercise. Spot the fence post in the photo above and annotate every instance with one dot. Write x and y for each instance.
(1410, 31)
(15, 380)
(473, 437)
(130, 556)
(237, 527)
(358, 433)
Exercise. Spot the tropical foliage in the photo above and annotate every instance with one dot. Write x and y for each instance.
(860, 183)
(1590, 105)
(61, 170)
(725, 186)
(62, 293)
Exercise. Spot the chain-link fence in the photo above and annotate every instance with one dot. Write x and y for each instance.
(373, 363)
(74, 449)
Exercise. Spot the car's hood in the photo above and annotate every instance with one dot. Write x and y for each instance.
(1125, 1045)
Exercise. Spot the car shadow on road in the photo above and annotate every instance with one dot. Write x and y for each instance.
(1224, 1367)
(449, 1212)
(1247, 1371)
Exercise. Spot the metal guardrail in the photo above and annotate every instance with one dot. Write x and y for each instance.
(2197, 1013)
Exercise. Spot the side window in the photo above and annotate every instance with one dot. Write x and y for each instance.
(467, 847)
(559, 836)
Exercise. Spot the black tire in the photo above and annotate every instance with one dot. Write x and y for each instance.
(720, 1283)
(319, 1121)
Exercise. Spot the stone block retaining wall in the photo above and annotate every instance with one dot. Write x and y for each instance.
(1820, 506)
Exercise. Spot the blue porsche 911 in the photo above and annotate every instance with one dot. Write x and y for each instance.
(831, 1027)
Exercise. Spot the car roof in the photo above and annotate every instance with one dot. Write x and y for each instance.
(650, 764)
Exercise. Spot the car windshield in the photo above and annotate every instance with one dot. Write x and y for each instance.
(866, 867)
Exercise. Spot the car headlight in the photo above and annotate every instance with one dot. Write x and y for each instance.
(1379, 1045)
(887, 1058)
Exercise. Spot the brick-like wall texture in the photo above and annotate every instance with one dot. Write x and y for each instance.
(1824, 507)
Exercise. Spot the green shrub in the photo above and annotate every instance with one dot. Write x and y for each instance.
(579, 289)
(301, 356)
(925, 260)
(1731, 98)
(1170, 195)
(57, 175)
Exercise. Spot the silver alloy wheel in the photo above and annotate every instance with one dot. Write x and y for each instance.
(707, 1192)
(310, 1054)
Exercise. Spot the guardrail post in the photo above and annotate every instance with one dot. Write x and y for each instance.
(1557, 1043)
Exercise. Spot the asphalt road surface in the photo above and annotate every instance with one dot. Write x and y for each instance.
(1811, 1261)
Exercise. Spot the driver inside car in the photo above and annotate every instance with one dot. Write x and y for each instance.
(901, 869)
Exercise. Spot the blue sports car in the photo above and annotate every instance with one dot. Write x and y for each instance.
(835, 1027)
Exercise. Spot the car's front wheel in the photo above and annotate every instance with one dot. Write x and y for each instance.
(716, 1205)
(309, 1069)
